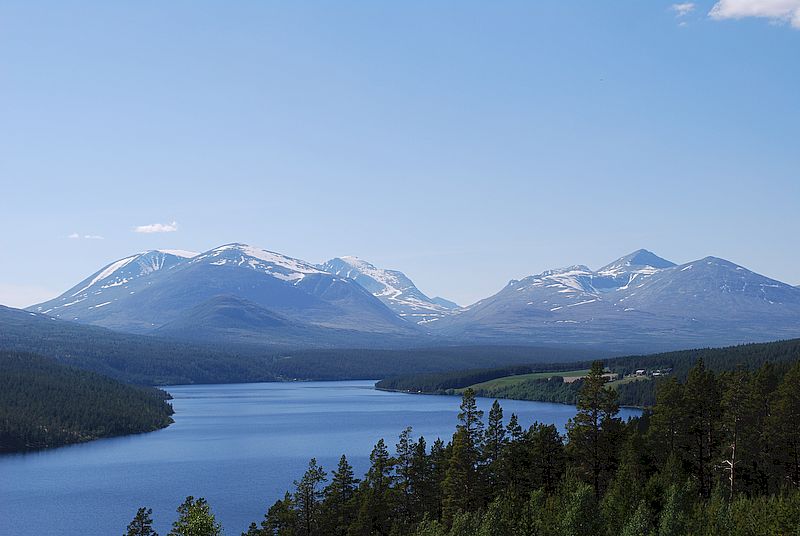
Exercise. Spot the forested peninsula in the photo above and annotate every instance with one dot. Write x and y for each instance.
(46, 404)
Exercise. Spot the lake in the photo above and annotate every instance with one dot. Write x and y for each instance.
(238, 445)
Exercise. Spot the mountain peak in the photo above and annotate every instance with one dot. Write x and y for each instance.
(392, 287)
(176, 253)
(276, 264)
(641, 258)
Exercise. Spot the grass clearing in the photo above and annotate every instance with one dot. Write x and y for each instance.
(506, 381)
(628, 379)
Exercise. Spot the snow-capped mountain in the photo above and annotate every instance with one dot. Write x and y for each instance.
(146, 292)
(393, 288)
(636, 302)
(240, 293)
(113, 281)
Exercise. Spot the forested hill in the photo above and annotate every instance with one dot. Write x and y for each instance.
(130, 358)
(635, 393)
(150, 360)
(46, 404)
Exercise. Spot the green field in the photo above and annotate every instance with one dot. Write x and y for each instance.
(629, 379)
(507, 381)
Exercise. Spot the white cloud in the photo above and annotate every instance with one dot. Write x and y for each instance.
(157, 228)
(683, 9)
(76, 236)
(775, 10)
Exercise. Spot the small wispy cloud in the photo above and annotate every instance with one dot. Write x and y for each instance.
(157, 228)
(77, 236)
(785, 11)
(683, 9)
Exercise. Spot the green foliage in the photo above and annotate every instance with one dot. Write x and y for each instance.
(195, 519)
(661, 475)
(641, 393)
(581, 516)
(639, 523)
(46, 404)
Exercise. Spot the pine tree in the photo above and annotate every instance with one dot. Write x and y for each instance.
(785, 426)
(338, 505)
(702, 425)
(281, 518)
(514, 430)
(594, 432)
(439, 462)
(470, 417)
(737, 422)
(377, 495)
(493, 445)
(307, 497)
(142, 524)
(254, 530)
(403, 467)
(764, 470)
(548, 459)
(666, 423)
(195, 519)
(462, 487)
(421, 478)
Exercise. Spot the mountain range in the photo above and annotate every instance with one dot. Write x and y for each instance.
(240, 293)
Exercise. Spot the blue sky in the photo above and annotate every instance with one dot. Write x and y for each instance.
(465, 143)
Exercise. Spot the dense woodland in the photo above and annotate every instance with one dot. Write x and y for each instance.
(641, 394)
(719, 453)
(150, 360)
(46, 404)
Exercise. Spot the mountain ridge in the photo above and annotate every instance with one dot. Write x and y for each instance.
(639, 301)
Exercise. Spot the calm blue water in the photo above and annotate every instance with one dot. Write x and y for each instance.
(240, 446)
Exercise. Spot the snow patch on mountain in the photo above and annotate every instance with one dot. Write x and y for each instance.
(262, 260)
(392, 287)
